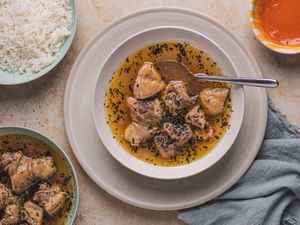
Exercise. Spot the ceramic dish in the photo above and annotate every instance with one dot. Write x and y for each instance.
(119, 55)
(264, 39)
(14, 130)
(129, 186)
(7, 78)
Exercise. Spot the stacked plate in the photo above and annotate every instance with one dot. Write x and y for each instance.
(142, 184)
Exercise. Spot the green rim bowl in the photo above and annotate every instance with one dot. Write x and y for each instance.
(8, 78)
(6, 130)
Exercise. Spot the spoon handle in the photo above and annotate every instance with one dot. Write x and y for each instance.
(249, 81)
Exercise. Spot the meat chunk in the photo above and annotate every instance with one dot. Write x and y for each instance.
(179, 88)
(204, 134)
(174, 104)
(6, 196)
(165, 146)
(181, 135)
(52, 199)
(177, 99)
(23, 170)
(32, 213)
(213, 100)
(9, 205)
(148, 82)
(42, 168)
(18, 169)
(136, 134)
(11, 215)
(196, 117)
(145, 113)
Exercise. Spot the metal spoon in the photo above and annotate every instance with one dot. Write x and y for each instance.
(178, 71)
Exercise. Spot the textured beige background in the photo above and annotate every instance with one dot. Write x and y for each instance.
(39, 104)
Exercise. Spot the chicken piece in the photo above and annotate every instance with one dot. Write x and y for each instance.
(18, 169)
(136, 134)
(43, 168)
(213, 100)
(52, 199)
(6, 196)
(11, 215)
(9, 205)
(204, 134)
(32, 213)
(177, 99)
(165, 145)
(196, 117)
(148, 82)
(145, 113)
(23, 170)
(181, 135)
(174, 104)
(179, 87)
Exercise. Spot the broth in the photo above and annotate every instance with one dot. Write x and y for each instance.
(121, 86)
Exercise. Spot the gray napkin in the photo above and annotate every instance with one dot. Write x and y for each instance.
(268, 194)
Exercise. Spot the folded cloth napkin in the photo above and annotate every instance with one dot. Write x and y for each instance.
(269, 193)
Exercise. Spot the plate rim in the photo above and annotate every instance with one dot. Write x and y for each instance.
(69, 88)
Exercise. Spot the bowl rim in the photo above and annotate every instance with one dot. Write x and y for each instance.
(66, 44)
(265, 40)
(42, 137)
(145, 164)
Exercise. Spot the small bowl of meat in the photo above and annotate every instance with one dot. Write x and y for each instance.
(38, 183)
(156, 119)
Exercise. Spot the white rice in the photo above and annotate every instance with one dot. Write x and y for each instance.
(32, 32)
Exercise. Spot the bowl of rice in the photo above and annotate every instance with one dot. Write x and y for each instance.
(35, 35)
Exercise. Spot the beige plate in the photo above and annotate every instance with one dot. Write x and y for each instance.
(127, 185)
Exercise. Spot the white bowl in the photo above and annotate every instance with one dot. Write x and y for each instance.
(137, 41)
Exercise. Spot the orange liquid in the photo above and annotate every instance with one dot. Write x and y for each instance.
(280, 20)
